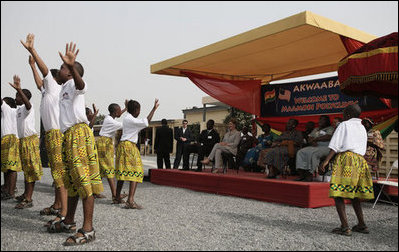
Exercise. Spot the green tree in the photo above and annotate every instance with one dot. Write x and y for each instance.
(243, 118)
(99, 119)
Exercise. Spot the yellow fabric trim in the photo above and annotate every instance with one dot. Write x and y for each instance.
(276, 132)
(386, 123)
(392, 49)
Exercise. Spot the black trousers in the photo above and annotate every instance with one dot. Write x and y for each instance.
(161, 158)
(179, 154)
(190, 148)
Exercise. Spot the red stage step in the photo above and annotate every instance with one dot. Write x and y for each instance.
(247, 185)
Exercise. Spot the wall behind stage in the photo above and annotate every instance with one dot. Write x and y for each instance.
(320, 96)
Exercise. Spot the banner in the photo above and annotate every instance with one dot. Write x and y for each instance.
(312, 97)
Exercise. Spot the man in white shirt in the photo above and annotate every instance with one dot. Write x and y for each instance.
(82, 173)
(50, 113)
(10, 159)
(351, 178)
(29, 143)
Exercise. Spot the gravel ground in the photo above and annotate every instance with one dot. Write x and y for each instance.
(181, 219)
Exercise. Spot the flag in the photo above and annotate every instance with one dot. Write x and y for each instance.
(270, 96)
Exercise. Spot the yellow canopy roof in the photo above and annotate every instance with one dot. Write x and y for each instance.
(300, 45)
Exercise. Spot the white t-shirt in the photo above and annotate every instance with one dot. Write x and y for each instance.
(351, 136)
(8, 120)
(49, 106)
(26, 121)
(72, 105)
(132, 127)
(110, 126)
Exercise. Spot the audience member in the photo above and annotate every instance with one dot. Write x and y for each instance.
(229, 144)
(247, 142)
(283, 148)
(375, 144)
(183, 137)
(309, 127)
(308, 158)
(163, 145)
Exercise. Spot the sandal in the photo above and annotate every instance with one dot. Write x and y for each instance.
(53, 227)
(79, 240)
(50, 211)
(24, 204)
(360, 229)
(20, 198)
(99, 196)
(68, 228)
(6, 196)
(117, 201)
(133, 205)
(342, 231)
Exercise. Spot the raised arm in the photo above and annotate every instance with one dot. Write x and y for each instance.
(17, 86)
(29, 46)
(125, 109)
(156, 105)
(93, 119)
(69, 60)
(38, 80)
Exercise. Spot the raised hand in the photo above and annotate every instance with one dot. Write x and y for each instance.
(95, 110)
(29, 42)
(156, 103)
(31, 60)
(17, 82)
(70, 54)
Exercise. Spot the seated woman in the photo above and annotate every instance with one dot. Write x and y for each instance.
(283, 148)
(308, 158)
(229, 144)
(375, 144)
(247, 141)
(263, 141)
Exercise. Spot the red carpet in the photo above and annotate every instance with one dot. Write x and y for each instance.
(248, 185)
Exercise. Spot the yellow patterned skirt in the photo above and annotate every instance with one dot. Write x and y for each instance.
(128, 162)
(30, 158)
(82, 176)
(10, 159)
(53, 140)
(351, 177)
(105, 148)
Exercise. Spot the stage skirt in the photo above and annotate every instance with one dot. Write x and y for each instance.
(128, 162)
(351, 177)
(105, 148)
(53, 140)
(30, 158)
(82, 176)
(10, 159)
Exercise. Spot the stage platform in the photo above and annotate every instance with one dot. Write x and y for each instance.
(247, 185)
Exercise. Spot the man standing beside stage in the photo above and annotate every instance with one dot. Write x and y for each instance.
(183, 137)
(163, 144)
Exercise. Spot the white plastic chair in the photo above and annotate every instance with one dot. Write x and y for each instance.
(386, 182)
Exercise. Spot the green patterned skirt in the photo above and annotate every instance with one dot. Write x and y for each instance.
(351, 177)
(82, 175)
(10, 159)
(128, 162)
(53, 140)
(30, 158)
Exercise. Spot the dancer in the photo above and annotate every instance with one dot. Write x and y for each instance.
(351, 178)
(82, 178)
(128, 160)
(29, 143)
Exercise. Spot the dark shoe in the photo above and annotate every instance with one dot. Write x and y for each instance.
(300, 178)
(198, 170)
(308, 177)
(360, 229)
(185, 169)
(342, 231)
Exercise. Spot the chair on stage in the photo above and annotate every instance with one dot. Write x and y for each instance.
(389, 183)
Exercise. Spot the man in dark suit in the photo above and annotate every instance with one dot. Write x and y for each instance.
(207, 139)
(183, 137)
(163, 144)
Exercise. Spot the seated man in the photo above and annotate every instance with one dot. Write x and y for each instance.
(207, 139)
(229, 145)
(245, 144)
(283, 148)
(308, 158)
